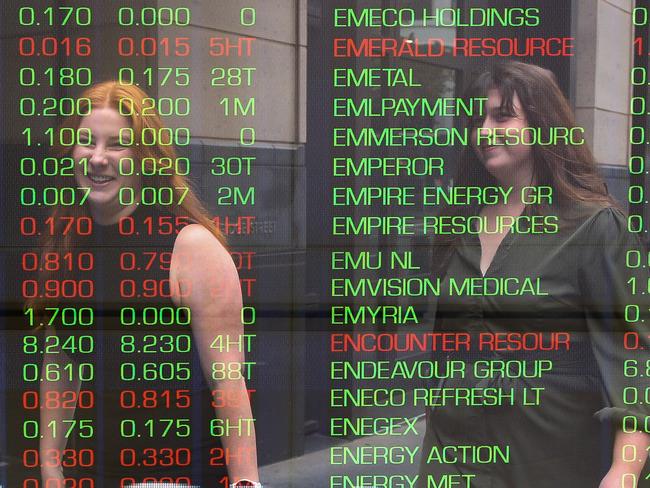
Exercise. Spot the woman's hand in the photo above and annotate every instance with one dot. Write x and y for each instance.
(614, 479)
(55, 473)
(610, 480)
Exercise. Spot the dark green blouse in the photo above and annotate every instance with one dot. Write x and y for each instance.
(570, 290)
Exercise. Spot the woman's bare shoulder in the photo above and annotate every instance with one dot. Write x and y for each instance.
(202, 262)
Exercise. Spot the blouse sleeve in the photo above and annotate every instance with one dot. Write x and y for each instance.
(613, 261)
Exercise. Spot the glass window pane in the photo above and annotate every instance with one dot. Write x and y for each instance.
(427, 29)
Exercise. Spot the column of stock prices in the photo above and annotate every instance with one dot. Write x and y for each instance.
(325, 244)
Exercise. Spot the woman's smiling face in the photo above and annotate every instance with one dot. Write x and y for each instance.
(103, 171)
(506, 162)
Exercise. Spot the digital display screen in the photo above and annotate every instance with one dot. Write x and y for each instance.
(325, 244)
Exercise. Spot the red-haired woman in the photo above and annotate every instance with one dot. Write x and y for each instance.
(167, 306)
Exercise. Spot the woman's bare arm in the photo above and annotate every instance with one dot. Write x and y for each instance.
(624, 471)
(203, 265)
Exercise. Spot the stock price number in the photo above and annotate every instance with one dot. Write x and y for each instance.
(155, 427)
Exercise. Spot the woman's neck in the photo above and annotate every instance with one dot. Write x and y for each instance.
(107, 216)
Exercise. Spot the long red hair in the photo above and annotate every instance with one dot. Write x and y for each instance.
(129, 100)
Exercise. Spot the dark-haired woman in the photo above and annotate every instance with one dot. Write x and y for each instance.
(539, 281)
(167, 404)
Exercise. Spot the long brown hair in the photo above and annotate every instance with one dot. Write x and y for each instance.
(129, 101)
(569, 169)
